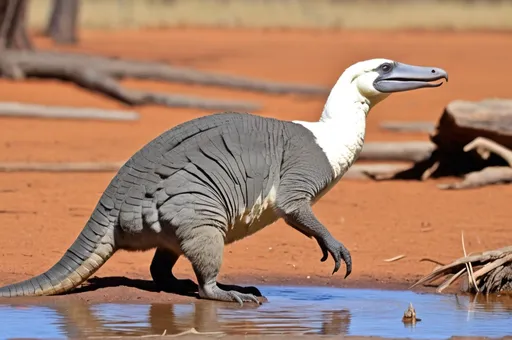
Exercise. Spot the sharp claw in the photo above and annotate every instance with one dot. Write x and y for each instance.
(240, 302)
(325, 255)
(349, 270)
(348, 262)
(336, 267)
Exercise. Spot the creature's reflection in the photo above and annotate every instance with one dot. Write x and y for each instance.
(78, 319)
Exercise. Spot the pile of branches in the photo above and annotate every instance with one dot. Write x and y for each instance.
(472, 140)
(485, 272)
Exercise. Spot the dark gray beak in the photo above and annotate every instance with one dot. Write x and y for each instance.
(398, 77)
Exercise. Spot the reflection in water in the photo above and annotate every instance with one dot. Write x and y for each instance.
(290, 310)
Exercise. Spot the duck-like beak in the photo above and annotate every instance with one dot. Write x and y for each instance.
(404, 77)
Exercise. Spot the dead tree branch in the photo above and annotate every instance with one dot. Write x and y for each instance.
(39, 64)
(100, 74)
(63, 112)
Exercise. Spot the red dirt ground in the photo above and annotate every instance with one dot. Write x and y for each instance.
(41, 214)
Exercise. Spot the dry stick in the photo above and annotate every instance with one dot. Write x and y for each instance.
(469, 267)
(397, 151)
(426, 259)
(476, 179)
(396, 258)
(59, 112)
(409, 127)
(484, 146)
(449, 281)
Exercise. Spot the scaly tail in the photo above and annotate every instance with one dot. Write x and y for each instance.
(93, 247)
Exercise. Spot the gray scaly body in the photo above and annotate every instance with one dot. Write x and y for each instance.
(214, 180)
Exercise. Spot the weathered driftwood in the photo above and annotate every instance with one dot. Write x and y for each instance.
(493, 272)
(100, 74)
(12, 109)
(397, 151)
(463, 122)
(409, 127)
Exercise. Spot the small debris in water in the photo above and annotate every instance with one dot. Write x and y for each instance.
(410, 315)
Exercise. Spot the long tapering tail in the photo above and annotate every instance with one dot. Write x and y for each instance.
(92, 248)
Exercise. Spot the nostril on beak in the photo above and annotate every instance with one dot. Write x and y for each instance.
(433, 71)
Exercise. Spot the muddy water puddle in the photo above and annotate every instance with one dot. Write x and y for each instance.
(290, 310)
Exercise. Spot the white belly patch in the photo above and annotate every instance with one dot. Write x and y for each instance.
(250, 221)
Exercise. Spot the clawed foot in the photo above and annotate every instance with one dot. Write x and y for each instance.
(214, 292)
(337, 251)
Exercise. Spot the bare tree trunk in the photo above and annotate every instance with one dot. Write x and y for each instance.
(62, 26)
(12, 25)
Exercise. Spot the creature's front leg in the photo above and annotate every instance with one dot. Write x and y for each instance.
(304, 220)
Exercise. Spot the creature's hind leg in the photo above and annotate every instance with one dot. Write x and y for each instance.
(204, 248)
(161, 272)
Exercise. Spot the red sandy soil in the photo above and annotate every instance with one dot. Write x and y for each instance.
(41, 214)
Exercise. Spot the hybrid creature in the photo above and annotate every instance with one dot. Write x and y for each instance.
(217, 179)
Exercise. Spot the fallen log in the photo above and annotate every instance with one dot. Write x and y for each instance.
(409, 127)
(13, 109)
(101, 74)
(397, 151)
(461, 123)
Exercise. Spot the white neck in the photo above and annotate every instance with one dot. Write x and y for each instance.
(341, 129)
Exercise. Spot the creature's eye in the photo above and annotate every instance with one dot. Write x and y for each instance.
(386, 67)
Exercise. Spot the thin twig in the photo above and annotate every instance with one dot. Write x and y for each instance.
(396, 258)
(469, 267)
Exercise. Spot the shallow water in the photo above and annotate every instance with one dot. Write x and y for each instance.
(290, 310)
